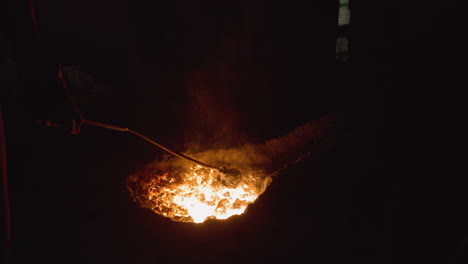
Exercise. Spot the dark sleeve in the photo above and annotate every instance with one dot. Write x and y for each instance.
(40, 90)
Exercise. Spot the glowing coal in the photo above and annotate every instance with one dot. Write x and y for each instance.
(184, 192)
(196, 194)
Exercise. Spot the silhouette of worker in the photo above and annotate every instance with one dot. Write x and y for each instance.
(33, 82)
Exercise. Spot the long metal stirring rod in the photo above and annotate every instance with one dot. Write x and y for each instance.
(122, 129)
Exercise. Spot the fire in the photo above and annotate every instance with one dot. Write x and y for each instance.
(197, 193)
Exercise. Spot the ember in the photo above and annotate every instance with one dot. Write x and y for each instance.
(185, 192)
(197, 194)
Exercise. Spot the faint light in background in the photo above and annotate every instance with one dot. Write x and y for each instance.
(342, 40)
(344, 13)
(342, 49)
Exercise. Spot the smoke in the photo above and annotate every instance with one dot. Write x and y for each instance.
(227, 93)
(217, 88)
(263, 159)
(276, 153)
(173, 187)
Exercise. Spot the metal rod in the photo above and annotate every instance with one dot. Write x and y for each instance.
(122, 129)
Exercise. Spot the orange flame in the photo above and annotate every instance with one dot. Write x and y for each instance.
(199, 194)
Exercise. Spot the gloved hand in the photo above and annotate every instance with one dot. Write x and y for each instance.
(71, 122)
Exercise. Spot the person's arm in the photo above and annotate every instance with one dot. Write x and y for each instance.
(44, 90)
(53, 101)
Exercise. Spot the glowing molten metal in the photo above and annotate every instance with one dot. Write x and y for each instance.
(197, 193)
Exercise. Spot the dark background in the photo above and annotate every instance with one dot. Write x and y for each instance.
(163, 69)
